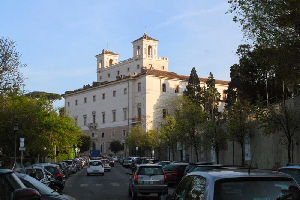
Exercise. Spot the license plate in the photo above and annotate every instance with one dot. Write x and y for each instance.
(95, 170)
(151, 183)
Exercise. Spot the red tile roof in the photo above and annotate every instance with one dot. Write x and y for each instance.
(146, 37)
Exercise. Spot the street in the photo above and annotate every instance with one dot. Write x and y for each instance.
(112, 186)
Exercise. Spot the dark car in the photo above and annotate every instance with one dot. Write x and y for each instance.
(45, 192)
(175, 172)
(12, 188)
(191, 166)
(72, 166)
(147, 179)
(292, 170)
(55, 170)
(65, 168)
(236, 184)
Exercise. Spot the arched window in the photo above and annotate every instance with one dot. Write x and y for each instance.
(100, 64)
(138, 51)
(150, 51)
(111, 62)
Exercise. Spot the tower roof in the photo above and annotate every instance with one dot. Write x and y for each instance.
(145, 37)
(108, 52)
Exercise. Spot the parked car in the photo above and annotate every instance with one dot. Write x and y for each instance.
(235, 185)
(106, 165)
(65, 168)
(45, 192)
(95, 167)
(191, 166)
(147, 179)
(12, 188)
(111, 162)
(292, 170)
(44, 176)
(72, 166)
(56, 172)
(163, 162)
(175, 172)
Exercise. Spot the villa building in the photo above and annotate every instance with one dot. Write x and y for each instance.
(126, 93)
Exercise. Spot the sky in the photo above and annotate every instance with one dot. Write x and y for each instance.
(58, 39)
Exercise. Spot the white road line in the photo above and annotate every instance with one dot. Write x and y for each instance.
(84, 185)
(99, 185)
(115, 184)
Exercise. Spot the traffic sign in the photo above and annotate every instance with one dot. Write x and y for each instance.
(21, 148)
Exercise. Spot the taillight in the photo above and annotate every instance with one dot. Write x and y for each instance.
(136, 179)
(165, 179)
(58, 175)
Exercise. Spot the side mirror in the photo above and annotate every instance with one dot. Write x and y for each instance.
(26, 193)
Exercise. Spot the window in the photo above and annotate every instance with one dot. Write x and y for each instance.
(164, 87)
(100, 77)
(224, 96)
(76, 120)
(114, 93)
(124, 113)
(113, 115)
(85, 99)
(103, 117)
(68, 103)
(108, 75)
(183, 188)
(139, 114)
(177, 89)
(125, 90)
(150, 66)
(84, 119)
(103, 95)
(165, 113)
(128, 69)
(198, 187)
(139, 87)
(94, 98)
(94, 117)
(76, 102)
(118, 72)
(102, 135)
(138, 66)
(112, 134)
(93, 134)
(124, 133)
(163, 67)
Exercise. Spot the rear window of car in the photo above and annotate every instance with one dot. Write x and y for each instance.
(69, 162)
(150, 171)
(171, 167)
(53, 170)
(95, 163)
(256, 188)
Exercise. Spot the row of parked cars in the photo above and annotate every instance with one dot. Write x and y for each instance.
(212, 182)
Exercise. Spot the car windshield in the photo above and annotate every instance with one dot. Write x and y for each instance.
(35, 184)
(95, 163)
(295, 173)
(150, 171)
(170, 167)
(256, 188)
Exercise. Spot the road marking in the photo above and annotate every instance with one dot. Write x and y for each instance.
(84, 185)
(68, 185)
(115, 184)
(99, 185)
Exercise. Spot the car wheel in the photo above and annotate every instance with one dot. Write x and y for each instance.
(133, 196)
(109, 170)
(103, 174)
(129, 192)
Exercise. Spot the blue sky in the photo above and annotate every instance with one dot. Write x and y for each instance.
(58, 39)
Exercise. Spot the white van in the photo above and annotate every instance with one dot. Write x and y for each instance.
(95, 167)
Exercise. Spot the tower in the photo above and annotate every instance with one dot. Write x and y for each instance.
(106, 59)
(145, 47)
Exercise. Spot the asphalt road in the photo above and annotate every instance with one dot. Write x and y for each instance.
(112, 186)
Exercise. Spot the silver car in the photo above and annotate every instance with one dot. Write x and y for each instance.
(147, 178)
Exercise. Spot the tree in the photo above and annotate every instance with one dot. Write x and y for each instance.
(136, 138)
(282, 121)
(116, 146)
(85, 142)
(10, 76)
(188, 118)
(238, 124)
(193, 88)
(168, 134)
(49, 96)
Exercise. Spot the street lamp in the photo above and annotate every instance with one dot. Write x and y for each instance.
(16, 126)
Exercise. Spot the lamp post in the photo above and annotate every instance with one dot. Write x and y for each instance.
(16, 126)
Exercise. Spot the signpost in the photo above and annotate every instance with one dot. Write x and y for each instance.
(22, 148)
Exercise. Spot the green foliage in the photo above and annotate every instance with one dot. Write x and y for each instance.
(282, 121)
(10, 76)
(49, 96)
(116, 146)
(38, 123)
(85, 142)
(193, 88)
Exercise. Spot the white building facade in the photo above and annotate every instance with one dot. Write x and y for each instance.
(126, 93)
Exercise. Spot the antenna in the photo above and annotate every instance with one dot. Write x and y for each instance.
(145, 33)
(107, 46)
